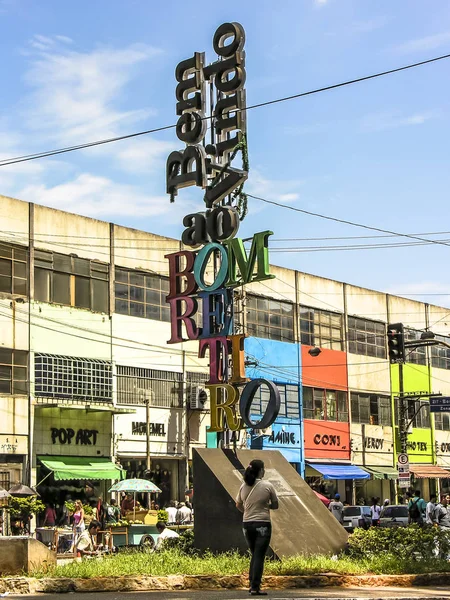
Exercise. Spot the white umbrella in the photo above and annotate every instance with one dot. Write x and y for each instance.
(135, 486)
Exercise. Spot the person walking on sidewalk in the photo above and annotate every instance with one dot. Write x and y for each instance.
(375, 512)
(337, 508)
(256, 498)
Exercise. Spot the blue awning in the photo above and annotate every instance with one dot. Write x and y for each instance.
(339, 471)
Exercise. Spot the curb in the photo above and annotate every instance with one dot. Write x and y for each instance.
(130, 583)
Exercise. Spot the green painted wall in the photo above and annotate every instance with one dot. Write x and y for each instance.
(420, 441)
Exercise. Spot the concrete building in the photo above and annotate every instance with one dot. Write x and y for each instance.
(83, 350)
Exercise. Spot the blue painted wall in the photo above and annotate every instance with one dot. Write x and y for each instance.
(280, 362)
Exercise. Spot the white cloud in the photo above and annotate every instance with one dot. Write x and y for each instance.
(429, 42)
(392, 120)
(320, 2)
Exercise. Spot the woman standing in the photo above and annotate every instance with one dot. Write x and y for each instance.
(375, 511)
(255, 499)
(78, 521)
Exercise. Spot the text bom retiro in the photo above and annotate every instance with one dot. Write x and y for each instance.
(188, 288)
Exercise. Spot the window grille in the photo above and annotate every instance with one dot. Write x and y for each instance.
(325, 405)
(140, 294)
(321, 328)
(13, 269)
(73, 378)
(366, 337)
(13, 372)
(138, 386)
(270, 319)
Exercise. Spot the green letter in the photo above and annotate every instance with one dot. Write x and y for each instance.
(259, 253)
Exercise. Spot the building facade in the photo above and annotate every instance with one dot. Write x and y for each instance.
(85, 364)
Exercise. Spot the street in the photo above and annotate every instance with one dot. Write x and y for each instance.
(373, 593)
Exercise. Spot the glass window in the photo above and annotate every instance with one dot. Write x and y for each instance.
(366, 337)
(325, 405)
(82, 292)
(13, 269)
(371, 409)
(440, 355)
(160, 388)
(321, 328)
(141, 295)
(270, 319)
(418, 356)
(61, 288)
(13, 371)
(289, 396)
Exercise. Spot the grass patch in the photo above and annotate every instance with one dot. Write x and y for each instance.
(174, 562)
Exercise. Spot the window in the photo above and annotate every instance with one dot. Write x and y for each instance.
(321, 328)
(442, 421)
(420, 418)
(289, 401)
(440, 355)
(73, 378)
(371, 409)
(70, 280)
(13, 371)
(13, 269)
(366, 337)
(325, 405)
(5, 480)
(270, 319)
(418, 356)
(138, 386)
(141, 294)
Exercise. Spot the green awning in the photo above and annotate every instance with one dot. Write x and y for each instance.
(382, 472)
(76, 467)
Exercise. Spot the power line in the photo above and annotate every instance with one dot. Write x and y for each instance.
(345, 222)
(28, 157)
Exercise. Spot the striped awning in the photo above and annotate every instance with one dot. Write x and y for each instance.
(429, 472)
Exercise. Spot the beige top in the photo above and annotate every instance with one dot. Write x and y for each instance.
(259, 500)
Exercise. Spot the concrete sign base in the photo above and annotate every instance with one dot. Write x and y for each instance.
(301, 525)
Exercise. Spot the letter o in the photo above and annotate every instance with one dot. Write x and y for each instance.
(317, 439)
(62, 436)
(325, 440)
(273, 406)
(200, 267)
(225, 31)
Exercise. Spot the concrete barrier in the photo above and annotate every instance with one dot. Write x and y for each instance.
(21, 554)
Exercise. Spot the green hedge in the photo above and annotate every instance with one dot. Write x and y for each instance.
(412, 541)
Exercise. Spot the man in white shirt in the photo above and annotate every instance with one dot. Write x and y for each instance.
(184, 514)
(164, 534)
(430, 516)
(172, 512)
(337, 508)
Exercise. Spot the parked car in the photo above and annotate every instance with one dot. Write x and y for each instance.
(395, 515)
(356, 516)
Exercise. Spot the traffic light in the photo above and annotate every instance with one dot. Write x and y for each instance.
(396, 343)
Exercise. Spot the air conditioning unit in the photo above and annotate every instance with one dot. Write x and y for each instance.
(197, 397)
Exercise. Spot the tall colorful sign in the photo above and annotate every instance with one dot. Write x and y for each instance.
(207, 275)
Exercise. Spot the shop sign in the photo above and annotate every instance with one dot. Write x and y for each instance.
(373, 443)
(83, 437)
(13, 444)
(326, 439)
(418, 447)
(140, 428)
(212, 232)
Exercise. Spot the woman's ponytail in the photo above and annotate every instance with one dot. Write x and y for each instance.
(252, 471)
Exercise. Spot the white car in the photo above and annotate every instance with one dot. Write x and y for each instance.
(356, 516)
(395, 515)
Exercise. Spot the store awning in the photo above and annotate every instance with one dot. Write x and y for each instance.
(429, 471)
(76, 467)
(339, 471)
(382, 472)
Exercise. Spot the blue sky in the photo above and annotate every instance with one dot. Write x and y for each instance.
(375, 152)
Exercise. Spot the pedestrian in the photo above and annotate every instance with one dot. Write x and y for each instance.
(442, 519)
(49, 516)
(172, 512)
(62, 515)
(112, 512)
(256, 498)
(128, 504)
(430, 510)
(78, 525)
(184, 514)
(337, 508)
(375, 511)
(164, 534)
(86, 544)
(416, 509)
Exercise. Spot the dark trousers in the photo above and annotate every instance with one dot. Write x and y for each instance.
(257, 534)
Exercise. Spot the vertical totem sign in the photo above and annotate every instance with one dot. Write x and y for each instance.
(220, 263)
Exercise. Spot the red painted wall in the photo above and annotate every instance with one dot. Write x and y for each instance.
(328, 370)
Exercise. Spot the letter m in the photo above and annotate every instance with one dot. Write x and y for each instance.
(242, 266)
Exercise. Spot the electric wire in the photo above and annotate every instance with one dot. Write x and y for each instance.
(28, 157)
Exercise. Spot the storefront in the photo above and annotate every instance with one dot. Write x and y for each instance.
(420, 452)
(373, 450)
(168, 461)
(73, 450)
(285, 437)
(327, 455)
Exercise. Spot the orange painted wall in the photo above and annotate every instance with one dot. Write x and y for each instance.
(326, 439)
(328, 370)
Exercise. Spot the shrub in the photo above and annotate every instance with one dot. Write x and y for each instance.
(184, 543)
(412, 541)
(22, 508)
(163, 515)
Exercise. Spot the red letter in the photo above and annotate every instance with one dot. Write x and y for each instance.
(218, 358)
(177, 318)
(176, 275)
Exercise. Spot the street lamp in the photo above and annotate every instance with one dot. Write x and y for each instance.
(314, 351)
